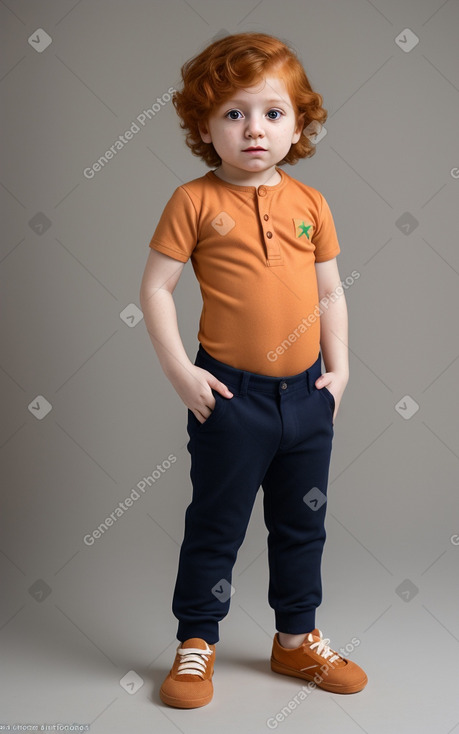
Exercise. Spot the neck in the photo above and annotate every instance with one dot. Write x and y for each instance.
(271, 177)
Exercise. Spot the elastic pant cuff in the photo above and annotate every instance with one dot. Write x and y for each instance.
(206, 631)
(296, 624)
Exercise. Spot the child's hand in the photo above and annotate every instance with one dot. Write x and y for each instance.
(336, 384)
(195, 389)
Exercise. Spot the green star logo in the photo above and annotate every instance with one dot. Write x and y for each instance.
(302, 229)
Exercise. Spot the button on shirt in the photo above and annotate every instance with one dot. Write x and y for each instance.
(253, 251)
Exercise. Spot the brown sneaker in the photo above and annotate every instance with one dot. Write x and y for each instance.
(315, 661)
(189, 683)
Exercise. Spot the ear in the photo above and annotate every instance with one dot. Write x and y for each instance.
(298, 129)
(204, 132)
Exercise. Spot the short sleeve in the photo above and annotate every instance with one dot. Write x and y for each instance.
(176, 232)
(325, 238)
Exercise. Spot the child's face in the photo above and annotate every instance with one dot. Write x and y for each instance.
(261, 116)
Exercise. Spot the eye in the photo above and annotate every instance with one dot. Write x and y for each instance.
(275, 112)
(232, 114)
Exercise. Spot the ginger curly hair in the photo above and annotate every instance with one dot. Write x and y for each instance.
(240, 61)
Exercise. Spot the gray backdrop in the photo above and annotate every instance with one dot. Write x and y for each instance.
(86, 630)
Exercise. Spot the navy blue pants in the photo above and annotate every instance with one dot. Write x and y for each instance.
(276, 433)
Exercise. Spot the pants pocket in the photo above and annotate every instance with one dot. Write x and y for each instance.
(329, 397)
(194, 424)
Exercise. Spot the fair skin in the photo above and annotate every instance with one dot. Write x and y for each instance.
(261, 116)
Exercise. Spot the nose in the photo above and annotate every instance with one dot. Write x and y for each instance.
(254, 128)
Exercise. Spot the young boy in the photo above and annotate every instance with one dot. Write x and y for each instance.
(260, 412)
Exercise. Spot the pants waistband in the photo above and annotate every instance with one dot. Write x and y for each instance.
(240, 381)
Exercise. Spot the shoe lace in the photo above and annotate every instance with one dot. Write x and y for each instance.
(194, 660)
(322, 647)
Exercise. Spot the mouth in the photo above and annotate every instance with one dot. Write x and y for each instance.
(257, 149)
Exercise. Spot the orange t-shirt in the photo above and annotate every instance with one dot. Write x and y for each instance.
(253, 251)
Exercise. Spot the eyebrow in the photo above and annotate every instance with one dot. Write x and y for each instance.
(277, 101)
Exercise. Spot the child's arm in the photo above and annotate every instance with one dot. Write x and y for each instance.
(192, 383)
(333, 331)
